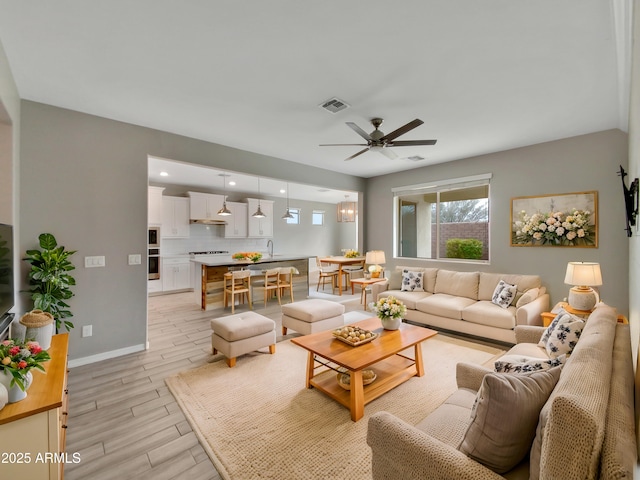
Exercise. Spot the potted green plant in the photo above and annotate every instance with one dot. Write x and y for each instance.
(50, 280)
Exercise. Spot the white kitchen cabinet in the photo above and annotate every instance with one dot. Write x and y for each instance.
(176, 274)
(260, 227)
(154, 205)
(236, 226)
(205, 206)
(175, 217)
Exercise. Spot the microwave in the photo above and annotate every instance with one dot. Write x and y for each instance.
(154, 237)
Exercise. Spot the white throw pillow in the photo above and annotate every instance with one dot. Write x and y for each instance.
(524, 364)
(412, 281)
(562, 335)
(504, 294)
(528, 297)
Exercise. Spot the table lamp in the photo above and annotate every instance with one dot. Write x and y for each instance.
(374, 258)
(583, 276)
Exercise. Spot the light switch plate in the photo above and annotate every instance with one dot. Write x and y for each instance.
(96, 261)
(87, 330)
(135, 259)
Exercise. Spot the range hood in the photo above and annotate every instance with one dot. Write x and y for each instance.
(208, 221)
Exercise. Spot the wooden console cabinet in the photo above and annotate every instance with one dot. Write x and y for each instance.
(33, 431)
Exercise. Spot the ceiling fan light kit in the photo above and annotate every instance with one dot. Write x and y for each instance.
(380, 142)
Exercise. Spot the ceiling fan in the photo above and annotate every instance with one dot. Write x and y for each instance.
(377, 140)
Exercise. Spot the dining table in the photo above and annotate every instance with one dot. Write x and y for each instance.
(341, 261)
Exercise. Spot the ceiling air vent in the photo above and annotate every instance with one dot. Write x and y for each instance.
(415, 158)
(334, 105)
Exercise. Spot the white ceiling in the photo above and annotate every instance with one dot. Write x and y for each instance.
(484, 75)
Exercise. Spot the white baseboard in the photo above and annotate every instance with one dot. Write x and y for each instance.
(78, 362)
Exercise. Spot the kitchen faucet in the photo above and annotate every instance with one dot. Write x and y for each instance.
(270, 247)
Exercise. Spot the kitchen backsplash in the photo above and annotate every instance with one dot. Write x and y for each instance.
(210, 237)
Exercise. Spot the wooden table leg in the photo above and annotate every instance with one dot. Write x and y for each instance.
(357, 396)
(340, 279)
(310, 364)
(419, 366)
(363, 296)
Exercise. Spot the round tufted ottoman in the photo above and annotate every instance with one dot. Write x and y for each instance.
(242, 333)
(310, 316)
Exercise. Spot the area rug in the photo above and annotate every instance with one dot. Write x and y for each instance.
(258, 421)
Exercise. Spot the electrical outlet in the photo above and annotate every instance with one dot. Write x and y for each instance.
(135, 259)
(87, 330)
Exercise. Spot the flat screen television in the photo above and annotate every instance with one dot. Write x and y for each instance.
(6, 277)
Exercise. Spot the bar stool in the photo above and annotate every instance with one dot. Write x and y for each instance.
(237, 283)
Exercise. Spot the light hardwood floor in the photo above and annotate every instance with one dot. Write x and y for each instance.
(123, 420)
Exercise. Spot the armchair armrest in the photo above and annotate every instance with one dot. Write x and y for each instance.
(529, 314)
(376, 288)
(469, 375)
(400, 450)
(528, 333)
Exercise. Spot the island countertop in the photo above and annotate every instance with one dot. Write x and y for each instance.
(227, 261)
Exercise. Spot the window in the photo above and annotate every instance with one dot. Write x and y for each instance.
(295, 213)
(447, 219)
(317, 217)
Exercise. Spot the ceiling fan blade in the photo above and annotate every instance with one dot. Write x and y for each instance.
(408, 143)
(356, 154)
(388, 153)
(342, 145)
(359, 131)
(402, 130)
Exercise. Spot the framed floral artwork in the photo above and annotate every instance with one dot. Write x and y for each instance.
(560, 220)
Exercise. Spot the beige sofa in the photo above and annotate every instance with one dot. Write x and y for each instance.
(585, 430)
(461, 301)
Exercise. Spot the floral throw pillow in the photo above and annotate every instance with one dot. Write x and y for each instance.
(523, 364)
(562, 335)
(412, 281)
(504, 294)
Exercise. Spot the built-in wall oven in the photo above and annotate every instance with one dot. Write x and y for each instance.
(154, 263)
(154, 237)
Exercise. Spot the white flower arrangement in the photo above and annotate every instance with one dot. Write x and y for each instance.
(389, 307)
(554, 228)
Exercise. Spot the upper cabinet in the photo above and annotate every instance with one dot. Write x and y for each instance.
(236, 226)
(175, 217)
(205, 206)
(154, 205)
(260, 227)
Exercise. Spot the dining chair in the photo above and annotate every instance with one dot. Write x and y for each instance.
(286, 280)
(352, 271)
(326, 271)
(270, 283)
(237, 283)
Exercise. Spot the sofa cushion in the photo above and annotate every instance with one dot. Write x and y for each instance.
(450, 421)
(488, 281)
(428, 277)
(528, 350)
(412, 281)
(570, 430)
(486, 313)
(395, 280)
(459, 284)
(504, 418)
(504, 294)
(408, 298)
(443, 305)
(524, 364)
(562, 334)
(528, 297)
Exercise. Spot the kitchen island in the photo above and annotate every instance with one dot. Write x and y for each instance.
(209, 273)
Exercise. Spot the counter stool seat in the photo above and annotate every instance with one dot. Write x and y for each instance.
(242, 333)
(311, 316)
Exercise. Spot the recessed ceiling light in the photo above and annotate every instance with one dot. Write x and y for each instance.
(232, 183)
(164, 174)
(282, 190)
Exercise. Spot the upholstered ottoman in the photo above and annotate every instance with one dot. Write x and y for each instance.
(310, 316)
(242, 333)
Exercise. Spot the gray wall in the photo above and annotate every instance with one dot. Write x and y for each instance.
(583, 163)
(84, 179)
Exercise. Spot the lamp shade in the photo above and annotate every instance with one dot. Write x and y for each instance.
(375, 257)
(584, 274)
(347, 211)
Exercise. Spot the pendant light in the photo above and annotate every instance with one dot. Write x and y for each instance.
(258, 213)
(224, 211)
(346, 210)
(287, 214)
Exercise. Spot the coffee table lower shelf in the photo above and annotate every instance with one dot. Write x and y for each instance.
(390, 372)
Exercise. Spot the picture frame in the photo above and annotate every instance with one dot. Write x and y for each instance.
(556, 220)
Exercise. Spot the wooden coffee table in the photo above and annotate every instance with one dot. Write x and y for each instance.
(381, 355)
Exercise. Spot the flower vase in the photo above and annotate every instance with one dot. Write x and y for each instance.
(391, 323)
(15, 392)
